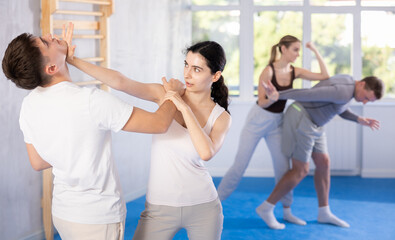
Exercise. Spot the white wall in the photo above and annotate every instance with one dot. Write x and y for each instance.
(20, 189)
(146, 42)
(378, 148)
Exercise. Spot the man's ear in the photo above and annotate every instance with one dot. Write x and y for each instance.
(362, 84)
(51, 69)
(216, 76)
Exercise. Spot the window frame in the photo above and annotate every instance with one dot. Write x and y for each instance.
(246, 38)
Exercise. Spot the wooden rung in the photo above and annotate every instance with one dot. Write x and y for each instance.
(94, 59)
(86, 25)
(86, 13)
(89, 36)
(89, 1)
(92, 82)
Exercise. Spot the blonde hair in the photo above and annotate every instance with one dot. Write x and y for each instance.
(286, 41)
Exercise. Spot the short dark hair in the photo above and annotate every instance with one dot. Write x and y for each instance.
(374, 84)
(24, 64)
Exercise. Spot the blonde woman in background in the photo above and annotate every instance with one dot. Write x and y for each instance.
(265, 119)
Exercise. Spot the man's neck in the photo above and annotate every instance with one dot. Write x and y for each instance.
(356, 86)
(54, 82)
(58, 78)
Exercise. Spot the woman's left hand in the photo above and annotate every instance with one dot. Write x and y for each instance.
(67, 36)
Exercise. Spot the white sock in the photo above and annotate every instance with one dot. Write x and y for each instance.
(288, 216)
(265, 211)
(326, 216)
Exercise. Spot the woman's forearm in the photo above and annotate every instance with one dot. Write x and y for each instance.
(202, 142)
(265, 103)
(321, 62)
(107, 76)
(116, 80)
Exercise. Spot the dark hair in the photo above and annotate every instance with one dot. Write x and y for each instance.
(23, 63)
(374, 84)
(216, 60)
(286, 41)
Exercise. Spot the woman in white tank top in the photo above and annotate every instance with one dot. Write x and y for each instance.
(181, 193)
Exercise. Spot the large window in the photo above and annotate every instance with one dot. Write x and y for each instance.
(215, 2)
(332, 2)
(279, 2)
(378, 47)
(222, 27)
(378, 3)
(351, 35)
(332, 34)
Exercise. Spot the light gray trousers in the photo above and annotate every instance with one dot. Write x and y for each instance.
(202, 221)
(259, 124)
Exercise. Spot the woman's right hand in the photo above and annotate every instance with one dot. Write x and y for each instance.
(174, 85)
(176, 99)
(307, 74)
(311, 46)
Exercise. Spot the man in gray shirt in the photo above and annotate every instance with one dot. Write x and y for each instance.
(304, 137)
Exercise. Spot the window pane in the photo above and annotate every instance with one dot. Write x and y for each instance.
(332, 35)
(215, 2)
(279, 2)
(378, 48)
(332, 2)
(269, 28)
(377, 3)
(222, 27)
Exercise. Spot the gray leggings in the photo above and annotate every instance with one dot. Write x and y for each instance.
(159, 222)
(259, 124)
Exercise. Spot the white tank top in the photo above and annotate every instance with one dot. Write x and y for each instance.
(178, 176)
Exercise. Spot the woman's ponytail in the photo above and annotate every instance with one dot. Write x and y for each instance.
(273, 54)
(220, 93)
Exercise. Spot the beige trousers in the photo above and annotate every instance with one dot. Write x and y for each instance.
(202, 221)
(73, 231)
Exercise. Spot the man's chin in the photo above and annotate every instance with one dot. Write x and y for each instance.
(63, 43)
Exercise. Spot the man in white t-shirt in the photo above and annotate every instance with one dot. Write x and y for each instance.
(67, 127)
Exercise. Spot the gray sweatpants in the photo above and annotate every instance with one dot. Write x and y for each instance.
(259, 124)
(202, 221)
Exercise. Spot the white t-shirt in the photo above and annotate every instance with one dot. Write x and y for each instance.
(178, 176)
(69, 126)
